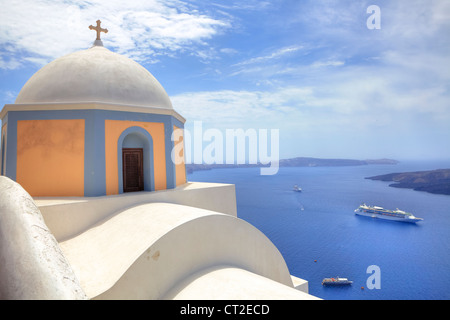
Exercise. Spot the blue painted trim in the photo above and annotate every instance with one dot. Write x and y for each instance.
(149, 168)
(3, 139)
(11, 146)
(2, 150)
(94, 155)
(177, 123)
(170, 167)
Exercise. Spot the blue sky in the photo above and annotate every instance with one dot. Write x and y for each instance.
(310, 68)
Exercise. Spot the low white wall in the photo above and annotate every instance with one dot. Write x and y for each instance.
(145, 251)
(300, 284)
(67, 217)
(214, 284)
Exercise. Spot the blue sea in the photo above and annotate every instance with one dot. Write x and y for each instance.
(319, 235)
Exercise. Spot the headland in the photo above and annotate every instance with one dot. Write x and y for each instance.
(433, 181)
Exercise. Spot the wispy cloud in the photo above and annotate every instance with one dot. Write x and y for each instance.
(266, 65)
(9, 63)
(243, 5)
(367, 102)
(47, 29)
(277, 54)
(8, 96)
(234, 107)
(339, 117)
(328, 63)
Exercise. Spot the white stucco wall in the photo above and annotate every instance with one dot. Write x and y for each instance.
(214, 284)
(145, 251)
(67, 217)
(32, 266)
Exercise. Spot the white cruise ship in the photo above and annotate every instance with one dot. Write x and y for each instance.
(379, 212)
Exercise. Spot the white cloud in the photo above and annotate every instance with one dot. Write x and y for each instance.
(8, 96)
(352, 114)
(277, 54)
(328, 63)
(282, 106)
(229, 51)
(9, 64)
(47, 29)
(415, 21)
(274, 63)
(244, 5)
(228, 107)
(394, 76)
(367, 98)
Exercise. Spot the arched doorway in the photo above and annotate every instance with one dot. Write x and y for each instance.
(135, 156)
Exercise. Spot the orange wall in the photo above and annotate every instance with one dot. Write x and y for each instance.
(113, 130)
(180, 169)
(50, 157)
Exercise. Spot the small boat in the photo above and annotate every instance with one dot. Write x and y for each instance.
(297, 189)
(336, 281)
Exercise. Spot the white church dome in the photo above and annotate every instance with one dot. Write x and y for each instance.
(94, 75)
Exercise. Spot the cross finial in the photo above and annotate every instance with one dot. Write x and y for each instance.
(98, 29)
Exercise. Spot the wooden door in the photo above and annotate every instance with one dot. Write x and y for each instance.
(133, 169)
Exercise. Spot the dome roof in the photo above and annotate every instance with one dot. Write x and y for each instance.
(94, 75)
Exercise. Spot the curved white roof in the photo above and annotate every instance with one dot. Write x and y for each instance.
(94, 75)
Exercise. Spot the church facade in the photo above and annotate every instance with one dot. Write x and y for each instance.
(91, 123)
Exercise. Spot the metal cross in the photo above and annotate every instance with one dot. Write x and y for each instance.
(98, 29)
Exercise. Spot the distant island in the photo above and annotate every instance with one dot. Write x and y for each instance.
(434, 181)
(317, 162)
(296, 162)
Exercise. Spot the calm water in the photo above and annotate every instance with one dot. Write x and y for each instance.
(320, 224)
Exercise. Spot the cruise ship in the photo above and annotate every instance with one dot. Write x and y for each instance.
(381, 213)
